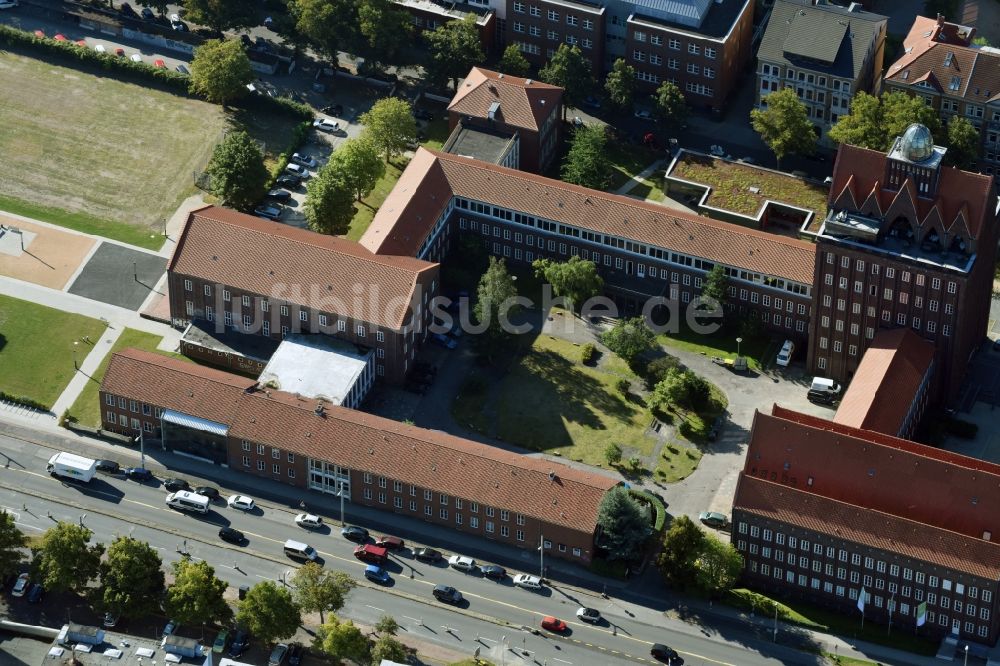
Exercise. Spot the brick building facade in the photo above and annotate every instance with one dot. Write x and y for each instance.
(538, 27)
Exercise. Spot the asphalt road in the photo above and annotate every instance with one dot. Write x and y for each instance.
(112, 506)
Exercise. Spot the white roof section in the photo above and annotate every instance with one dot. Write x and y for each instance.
(686, 12)
(195, 423)
(314, 366)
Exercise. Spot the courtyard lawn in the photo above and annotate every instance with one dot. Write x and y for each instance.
(627, 160)
(436, 132)
(364, 211)
(676, 463)
(36, 366)
(722, 343)
(549, 401)
(87, 409)
(650, 189)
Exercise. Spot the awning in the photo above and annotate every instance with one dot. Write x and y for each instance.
(195, 423)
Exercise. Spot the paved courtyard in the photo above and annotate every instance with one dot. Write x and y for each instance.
(119, 275)
(49, 257)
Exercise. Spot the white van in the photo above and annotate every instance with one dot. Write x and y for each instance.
(185, 500)
(300, 551)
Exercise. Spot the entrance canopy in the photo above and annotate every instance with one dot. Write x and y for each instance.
(195, 423)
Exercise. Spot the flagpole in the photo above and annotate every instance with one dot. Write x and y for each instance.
(889, 632)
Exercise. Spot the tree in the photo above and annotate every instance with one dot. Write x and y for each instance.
(715, 285)
(682, 545)
(862, 126)
(455, 49)
(612, 454)
(387, 647)
(12, 542)
(622, 523)
(387, 626)
(667, 392)
(342, 640)
(570, 70)
(784, 125)
(586, 164)
(65, 560)
(629, 338)
(659, 368)
(513, 62)
(900, 110)
(358, 163)
(326, 25)
(222, 15)
(319, 590)
(620, 84)
(220, 71)
(390, 126)
(237, 172)
(576, 279)
(384, 30)
(196, 597)
(269, 613)
(494, 301)
(718, 566)
(329, 205)
(669, 104)
(131, 578)
(963, 143)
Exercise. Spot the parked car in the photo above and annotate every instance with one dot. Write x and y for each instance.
(100, 48)
(221, 639)
(232, 535)
(35, 594)
(173, 485)
(288, 180)
(241, 502)
(135, 57)
(423, 114)
(270, 212)
(390, 542)
(308, 521)
(179, 26)
(785, 355)
(148, 14)
(120, 52)
(553, 624)
(183, 69)
(375, 573)
(447, 594)
(298, 171)
(159, 64)
(462, 563)
(644, 115)
(295, 653)
(494, 571)
(126, 9)
(444, 341)
(240, 644)
(662, 652)
(108, 467)
(279, 195)
(278, 655)
(110, 619)
(713, 519)
(591, 615)
(171, 628)
(305, 160)
(21, 586)
(138, 474)
(427, 554)
(528, 581)
(208, 491)
(326, 125)
(354, 533)
(717, 150)
(333, 110)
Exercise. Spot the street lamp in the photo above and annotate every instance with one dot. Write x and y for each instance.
(76, 365)
(340, 494)
(738, 341)
(142, 450)
(966, 661)
(541, 556)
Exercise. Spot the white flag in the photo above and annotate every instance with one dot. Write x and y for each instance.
(861, 600)
(921, 614)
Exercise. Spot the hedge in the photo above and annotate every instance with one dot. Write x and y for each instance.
(299, 137)
(23, 401)
(660, 510)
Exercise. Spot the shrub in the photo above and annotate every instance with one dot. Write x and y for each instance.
(23, 401)
(587, 353)
(613, 454)
(623, 385)
(299, 136)
(659, 510)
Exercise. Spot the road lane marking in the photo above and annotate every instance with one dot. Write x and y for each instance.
(380, 610)
(562, 661)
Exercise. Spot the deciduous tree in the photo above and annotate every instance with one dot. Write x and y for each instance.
(269, 612)
(900, 110)
(387, 626)
(575, 279)
(629, 338)
(455, 48)
(220, 71)
(12, 543)
(159, 5)
(513, 62)
(669, 104)
(66, 560)
(623, 524)
(131, 578)
(357, 161)
(586, 164)
(494, 305)
(390, 126)
(318, 590)
(571, 70)
(612, 454)
(326, 24)
(963, 143)
(620, 84)
(384, 29)
(222, 15)
(387, 647)
(784, 125)
(237, 172)
(876, 122)
(329, 206)
(682, 545)
(196, 596)
(342, 640)
(715, 285)
(718, 566)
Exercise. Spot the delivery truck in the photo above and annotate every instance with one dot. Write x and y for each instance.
(72, 466)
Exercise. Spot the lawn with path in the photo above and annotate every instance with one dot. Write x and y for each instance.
(722, 343)
(37, 366)
(364, 210)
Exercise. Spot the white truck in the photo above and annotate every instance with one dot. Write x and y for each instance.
(72, 466)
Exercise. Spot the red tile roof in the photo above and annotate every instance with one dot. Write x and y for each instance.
(295, 265)
(398, 230)
(523, 102)
(887, 380)
(427, 458)
(875, 471)
(867, 527)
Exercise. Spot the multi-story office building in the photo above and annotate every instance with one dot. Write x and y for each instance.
(538, 27)
(825, 52)
(906, 243)
(429, 15)
(941, 65)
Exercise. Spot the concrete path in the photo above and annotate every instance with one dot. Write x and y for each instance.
(88, 367)
(645, 173)
(177, 220)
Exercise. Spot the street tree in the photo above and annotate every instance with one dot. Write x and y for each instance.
(863, 125)
(66, 560)
(586, 163)
(667, 392)
(222, 15)
(269, 612)
(900, 110)
(682, 546)
(318, 590)
(386, 626)
(326, 24)
(718, 566)
(963, 143)
(12, 544)
(629, 338)
(237, 172)
(612, 454)
(576, 279)
(876, 122)
(342, 640)
(669, 104)
(715, 285)
(220, 71)
(513, 62)
(569, 69)
(196, 596)
(494, 306)
(390, 126)
(622, 523)
(389, 648)
(455, 49)
(784, 125)
(329, 206)
(131, 578)
(358, 163)
(384, 30)
(620, 84)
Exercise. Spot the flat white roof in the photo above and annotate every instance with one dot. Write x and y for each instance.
(315, 366)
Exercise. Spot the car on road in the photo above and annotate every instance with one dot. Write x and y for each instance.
(108, 467)
(8, 4)
(644, 115)
(354, 533)
(375, 573)
(208, 491)
(148, 14)
(528, 582)
(179, 26)
(278, 655)
(447, 594)
(494, 571)
(221, 638)
(240, 644)
(298, 171)
(326, 125)
(279, 195)
(21, 586)
(444, 341)
(305, 160)
(462, 563)
(35, 594)
(553, 624)
(110, 619)
(713, 519)
(427, 554)
(171, 628)
(333, 110)
(159, 64)
(138, 474)
(173, 485)
(288, 180)
(295, 653)
(662, 652)
(309, 521)
(591, 615)
(390, 542)
(126, 9)
(231, 535)
(135, 57)
(270, 212)
(241, 502)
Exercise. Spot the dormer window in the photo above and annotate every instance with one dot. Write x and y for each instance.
(955, 83)
(948, 58)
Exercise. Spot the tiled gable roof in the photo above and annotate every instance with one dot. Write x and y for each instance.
(426, 458)
(285, 263)
(522, 102)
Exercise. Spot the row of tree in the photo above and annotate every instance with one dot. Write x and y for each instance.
(692, 558)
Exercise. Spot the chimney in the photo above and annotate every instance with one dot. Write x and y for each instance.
(940, 20)
(987, 536)
(319, 409)
(527, 82)
(500, 76)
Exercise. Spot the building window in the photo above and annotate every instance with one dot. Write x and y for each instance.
(694, 49)
(188, 286)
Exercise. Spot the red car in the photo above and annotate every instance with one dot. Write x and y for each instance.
(60, 37)
(390, 542)
(553, 624)
(159, 63)
(39, 33)
(120, 52)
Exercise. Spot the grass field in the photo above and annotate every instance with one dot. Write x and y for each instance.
(95, 154)
(87, 409)
(40, 366)
(366, 209)
(723, 343)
